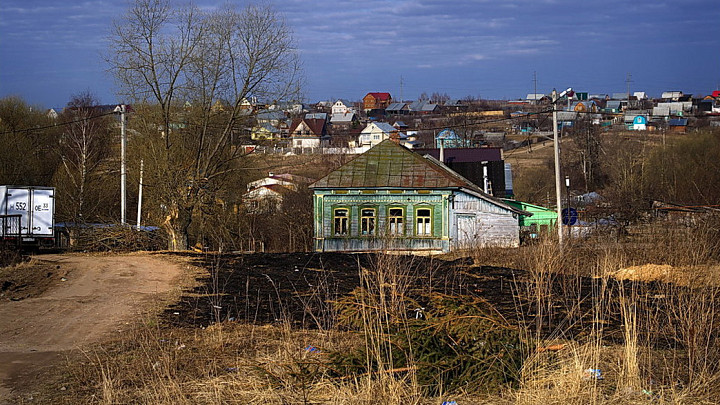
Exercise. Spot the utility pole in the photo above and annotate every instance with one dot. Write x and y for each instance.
(556, 150)
(123, 175)
(535, 91)
(139, 209)
(628, 80)
(401, 88)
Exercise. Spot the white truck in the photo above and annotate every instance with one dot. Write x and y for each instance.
(27, 215)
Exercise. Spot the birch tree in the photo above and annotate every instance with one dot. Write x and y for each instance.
(187, 72)
(85, 144)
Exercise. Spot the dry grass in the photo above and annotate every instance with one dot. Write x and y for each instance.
(666, 350)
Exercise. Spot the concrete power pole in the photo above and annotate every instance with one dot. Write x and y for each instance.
(556, 149)
(139, 208)
(123, 174)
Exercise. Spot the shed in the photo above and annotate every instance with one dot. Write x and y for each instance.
(678, 125)
(392, 199)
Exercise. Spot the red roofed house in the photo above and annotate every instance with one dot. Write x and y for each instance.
(309, 133)
(373, 101)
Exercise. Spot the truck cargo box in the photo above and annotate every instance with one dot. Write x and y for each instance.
(35, 207)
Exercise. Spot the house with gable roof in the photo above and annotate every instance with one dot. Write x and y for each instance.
(376, 101)
(343, 107)
(309, 133)
(376, 132)
(393, 199)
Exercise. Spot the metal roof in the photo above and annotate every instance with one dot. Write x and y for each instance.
(319, 116)
(678, 122)
(463, 155)
(383, 126)
(447, 133)
(344, 117)
(390, 165)
(396, 107)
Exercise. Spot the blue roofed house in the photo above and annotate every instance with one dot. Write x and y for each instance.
(376, 132)
(677, 125)
(447, 138)
(393, 199)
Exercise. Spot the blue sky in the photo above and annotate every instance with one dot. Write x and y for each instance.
(50, 50)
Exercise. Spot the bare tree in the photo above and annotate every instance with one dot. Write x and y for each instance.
(85, 144)
(189, 72)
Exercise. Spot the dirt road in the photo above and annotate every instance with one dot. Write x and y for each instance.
(93, 298)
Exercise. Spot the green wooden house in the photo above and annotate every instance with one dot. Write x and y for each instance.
(393, 199)
(542, 219)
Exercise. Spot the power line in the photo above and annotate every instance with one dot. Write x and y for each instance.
(60, 124)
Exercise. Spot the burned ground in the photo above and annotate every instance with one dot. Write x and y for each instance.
(300, 288)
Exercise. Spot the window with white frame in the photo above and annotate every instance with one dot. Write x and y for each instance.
(423, 222)
(396, 221)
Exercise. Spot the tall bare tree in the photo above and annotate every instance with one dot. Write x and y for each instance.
(188, 73)
(85, 144)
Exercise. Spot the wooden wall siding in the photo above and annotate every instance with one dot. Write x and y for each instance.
(477, 223)
(484, 224)
(373, 244)
(464, 202)
(498, 230)
(325, 203)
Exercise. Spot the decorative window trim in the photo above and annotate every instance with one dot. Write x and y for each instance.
(368, 223)
(428, 225)
(346, 221)
(392, 220)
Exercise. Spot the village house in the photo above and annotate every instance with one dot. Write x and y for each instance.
(344, 120)
(343, 107)
(309, 133)
(267, 194)
(392, 199)
(376, 132)
(265, 132)
(376, 101)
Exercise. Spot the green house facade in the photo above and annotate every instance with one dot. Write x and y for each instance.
(391, 198)
(542, 219)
